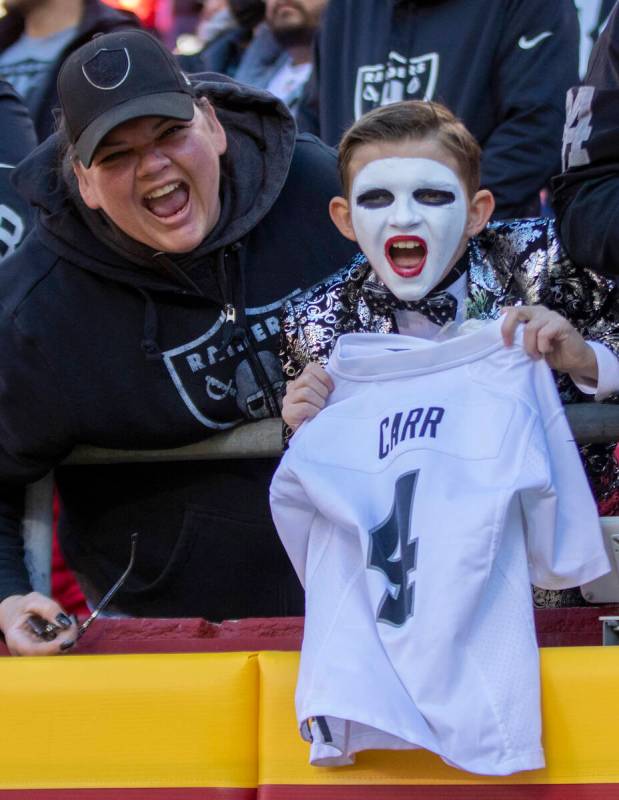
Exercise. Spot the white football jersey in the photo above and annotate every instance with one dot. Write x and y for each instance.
(417, 507)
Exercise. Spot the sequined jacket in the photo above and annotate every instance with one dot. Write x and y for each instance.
(519, 262)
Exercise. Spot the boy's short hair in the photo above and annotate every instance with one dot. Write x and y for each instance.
(413, 119)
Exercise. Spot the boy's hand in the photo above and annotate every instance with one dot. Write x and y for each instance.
(306, 395)
(549, 335)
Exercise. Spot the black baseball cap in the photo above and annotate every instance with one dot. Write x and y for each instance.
(116, 77)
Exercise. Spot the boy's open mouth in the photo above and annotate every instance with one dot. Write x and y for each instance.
(406, 255)
(167, 200)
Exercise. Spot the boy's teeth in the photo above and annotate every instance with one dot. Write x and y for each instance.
(169, 187)
(406, 245)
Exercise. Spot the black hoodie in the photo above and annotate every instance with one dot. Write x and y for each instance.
(105, 342)
(97, 17)
(502, 66)
(586, 194)
(17, 139)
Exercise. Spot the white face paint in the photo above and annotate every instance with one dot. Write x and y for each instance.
(409, 216)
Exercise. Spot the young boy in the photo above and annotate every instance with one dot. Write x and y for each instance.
(410, 172)
(440, 478)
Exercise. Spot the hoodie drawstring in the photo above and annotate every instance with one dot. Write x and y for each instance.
(232, 286)
(234, 330)
(150, 346)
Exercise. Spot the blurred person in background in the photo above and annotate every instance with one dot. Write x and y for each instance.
(215, 18)
(279, 58)
(586, 194)
(35, 38)
(17, 139)
(502, 66)
(592, 15)
(224, 50)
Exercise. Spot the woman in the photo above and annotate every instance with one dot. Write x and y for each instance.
(142, 314)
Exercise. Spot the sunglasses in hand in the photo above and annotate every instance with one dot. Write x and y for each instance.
(47, 631)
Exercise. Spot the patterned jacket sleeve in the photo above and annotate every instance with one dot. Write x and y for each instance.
(523, 261)
(306, 334)
(589, 300)
(591, 303)
(291, 353)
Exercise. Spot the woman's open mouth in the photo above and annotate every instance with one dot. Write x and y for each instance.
(406, 255)
(167, 201)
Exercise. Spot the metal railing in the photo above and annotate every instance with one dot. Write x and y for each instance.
(590, 423)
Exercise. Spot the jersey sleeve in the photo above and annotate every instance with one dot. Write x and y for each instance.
(293, 513)
(564, 539)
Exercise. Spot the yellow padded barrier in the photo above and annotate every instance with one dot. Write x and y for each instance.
(227, 720)
(580, 717)
(129, 721)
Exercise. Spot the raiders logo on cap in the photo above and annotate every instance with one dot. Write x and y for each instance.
(107, 69)
(146, 79)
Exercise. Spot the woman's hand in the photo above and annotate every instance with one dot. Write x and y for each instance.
(549, 335)
(20, 637)
(306, 395)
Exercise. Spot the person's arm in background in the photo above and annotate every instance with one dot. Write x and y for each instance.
(536, 62)
(17, 139)
(308, 109)
(586, 194)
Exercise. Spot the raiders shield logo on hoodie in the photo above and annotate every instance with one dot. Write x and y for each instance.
(223, 386)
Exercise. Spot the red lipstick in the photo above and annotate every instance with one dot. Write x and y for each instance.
(407, 262)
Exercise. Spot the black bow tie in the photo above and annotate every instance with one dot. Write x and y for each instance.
(439, 306)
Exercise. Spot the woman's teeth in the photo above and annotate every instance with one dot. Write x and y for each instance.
(168, 200)
(163, 190)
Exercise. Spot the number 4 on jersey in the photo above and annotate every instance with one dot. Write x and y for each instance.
(393, 552)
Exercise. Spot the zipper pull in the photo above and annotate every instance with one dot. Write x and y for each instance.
(229, 329)
(230, 313)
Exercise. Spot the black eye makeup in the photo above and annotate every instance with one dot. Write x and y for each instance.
(375, 198)
(434, 197)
